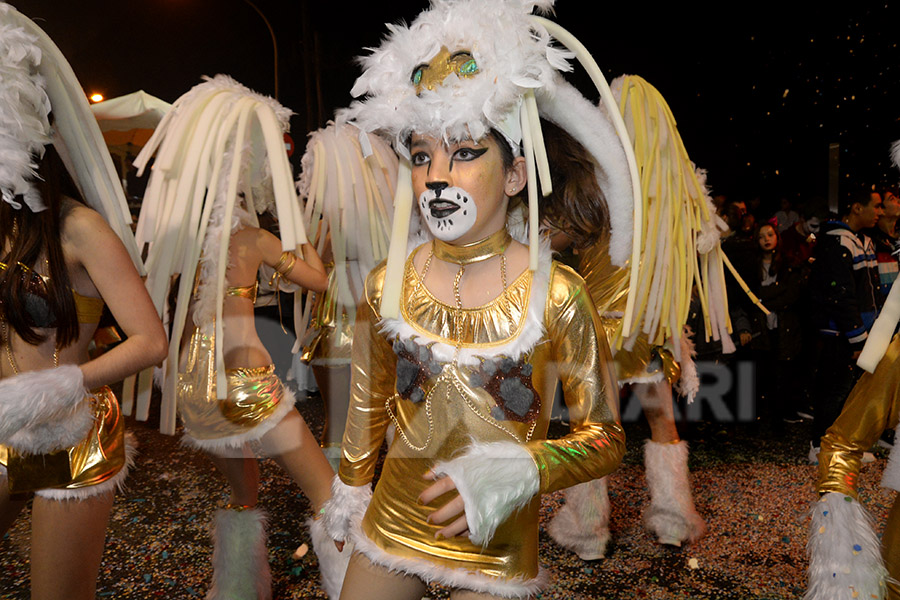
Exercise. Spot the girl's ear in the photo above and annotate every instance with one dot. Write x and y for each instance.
(516, 177)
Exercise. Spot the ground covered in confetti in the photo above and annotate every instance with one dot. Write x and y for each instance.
(754, 489)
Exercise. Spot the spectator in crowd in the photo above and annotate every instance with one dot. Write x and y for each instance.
(844, 303)
(798, 240)
(786, 216)
(774, 340)
(884, 237)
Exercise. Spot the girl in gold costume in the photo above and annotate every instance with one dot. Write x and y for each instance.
(62, 438)
(463, 334)
(222, 142)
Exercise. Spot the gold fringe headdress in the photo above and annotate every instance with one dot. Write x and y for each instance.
(464, 67)
(219, 141)
(36, 80)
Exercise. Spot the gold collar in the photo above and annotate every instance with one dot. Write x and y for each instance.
(493, 245)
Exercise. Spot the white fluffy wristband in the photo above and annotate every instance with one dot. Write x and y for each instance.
(345, 509)
(494, 480)
(43, 411)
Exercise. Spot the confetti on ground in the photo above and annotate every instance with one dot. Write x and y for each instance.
(158, 540)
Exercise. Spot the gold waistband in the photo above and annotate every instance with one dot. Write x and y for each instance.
(250, 372)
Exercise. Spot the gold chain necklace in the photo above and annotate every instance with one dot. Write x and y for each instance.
(7, 337)
(467, 255)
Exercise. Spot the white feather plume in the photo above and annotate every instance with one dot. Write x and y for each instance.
(24, 113)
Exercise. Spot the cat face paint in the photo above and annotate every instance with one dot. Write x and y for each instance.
(448, 212)
(459, 187)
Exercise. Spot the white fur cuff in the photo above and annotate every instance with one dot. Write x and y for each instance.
(43, 411)
(844, 552)
(494, 480)
(345, 509)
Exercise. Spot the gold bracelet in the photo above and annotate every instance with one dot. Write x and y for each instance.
(285, 264)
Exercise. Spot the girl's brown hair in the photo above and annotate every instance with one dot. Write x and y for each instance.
(577, 205)
(26, 238)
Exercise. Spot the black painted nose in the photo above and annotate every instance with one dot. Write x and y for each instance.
(436, 187)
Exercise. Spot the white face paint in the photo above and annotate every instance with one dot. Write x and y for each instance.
(448, 212)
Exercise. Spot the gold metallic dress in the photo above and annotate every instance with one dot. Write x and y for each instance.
(500, 387)
(872, 407)
(330, 334)
(608, 285)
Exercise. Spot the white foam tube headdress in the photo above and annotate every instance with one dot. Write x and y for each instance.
(219, 141)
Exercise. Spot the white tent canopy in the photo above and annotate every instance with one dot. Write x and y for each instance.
(137, 110)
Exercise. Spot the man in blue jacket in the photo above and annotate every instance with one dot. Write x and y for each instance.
(844, 303)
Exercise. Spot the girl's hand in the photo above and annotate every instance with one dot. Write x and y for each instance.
(454, 508)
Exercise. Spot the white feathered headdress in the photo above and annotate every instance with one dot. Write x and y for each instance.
(464, 67)
(35, 80)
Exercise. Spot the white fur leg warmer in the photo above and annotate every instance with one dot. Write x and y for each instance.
(345, 509)
(493, 480)
(332, 564)
(582, 524)
(240, 558)
(43, 411)
(844, 552)
(671, 515)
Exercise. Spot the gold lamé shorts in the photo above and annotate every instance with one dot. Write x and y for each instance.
(96, 460)
(643, 363)
(254, 396)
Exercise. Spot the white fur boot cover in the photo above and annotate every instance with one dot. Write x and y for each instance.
(332, 563)
(43, 411)
(582, 524)
(671, 515)
(493, 479)
(844, 552)
(240, 558)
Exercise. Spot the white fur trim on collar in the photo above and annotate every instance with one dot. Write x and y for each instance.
(532, 331)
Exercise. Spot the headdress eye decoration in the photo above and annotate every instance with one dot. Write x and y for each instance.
(432, 74)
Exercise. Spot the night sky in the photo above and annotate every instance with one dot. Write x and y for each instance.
(760, 90)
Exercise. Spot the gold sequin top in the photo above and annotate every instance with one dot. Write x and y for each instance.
(542, 329)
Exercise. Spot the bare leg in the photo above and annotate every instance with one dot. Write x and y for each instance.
(671, 514)
(10, 506)
(66, 547)
(367, 581)
(334, 384)
(656, 402)
(294, 448)
(242, 475)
